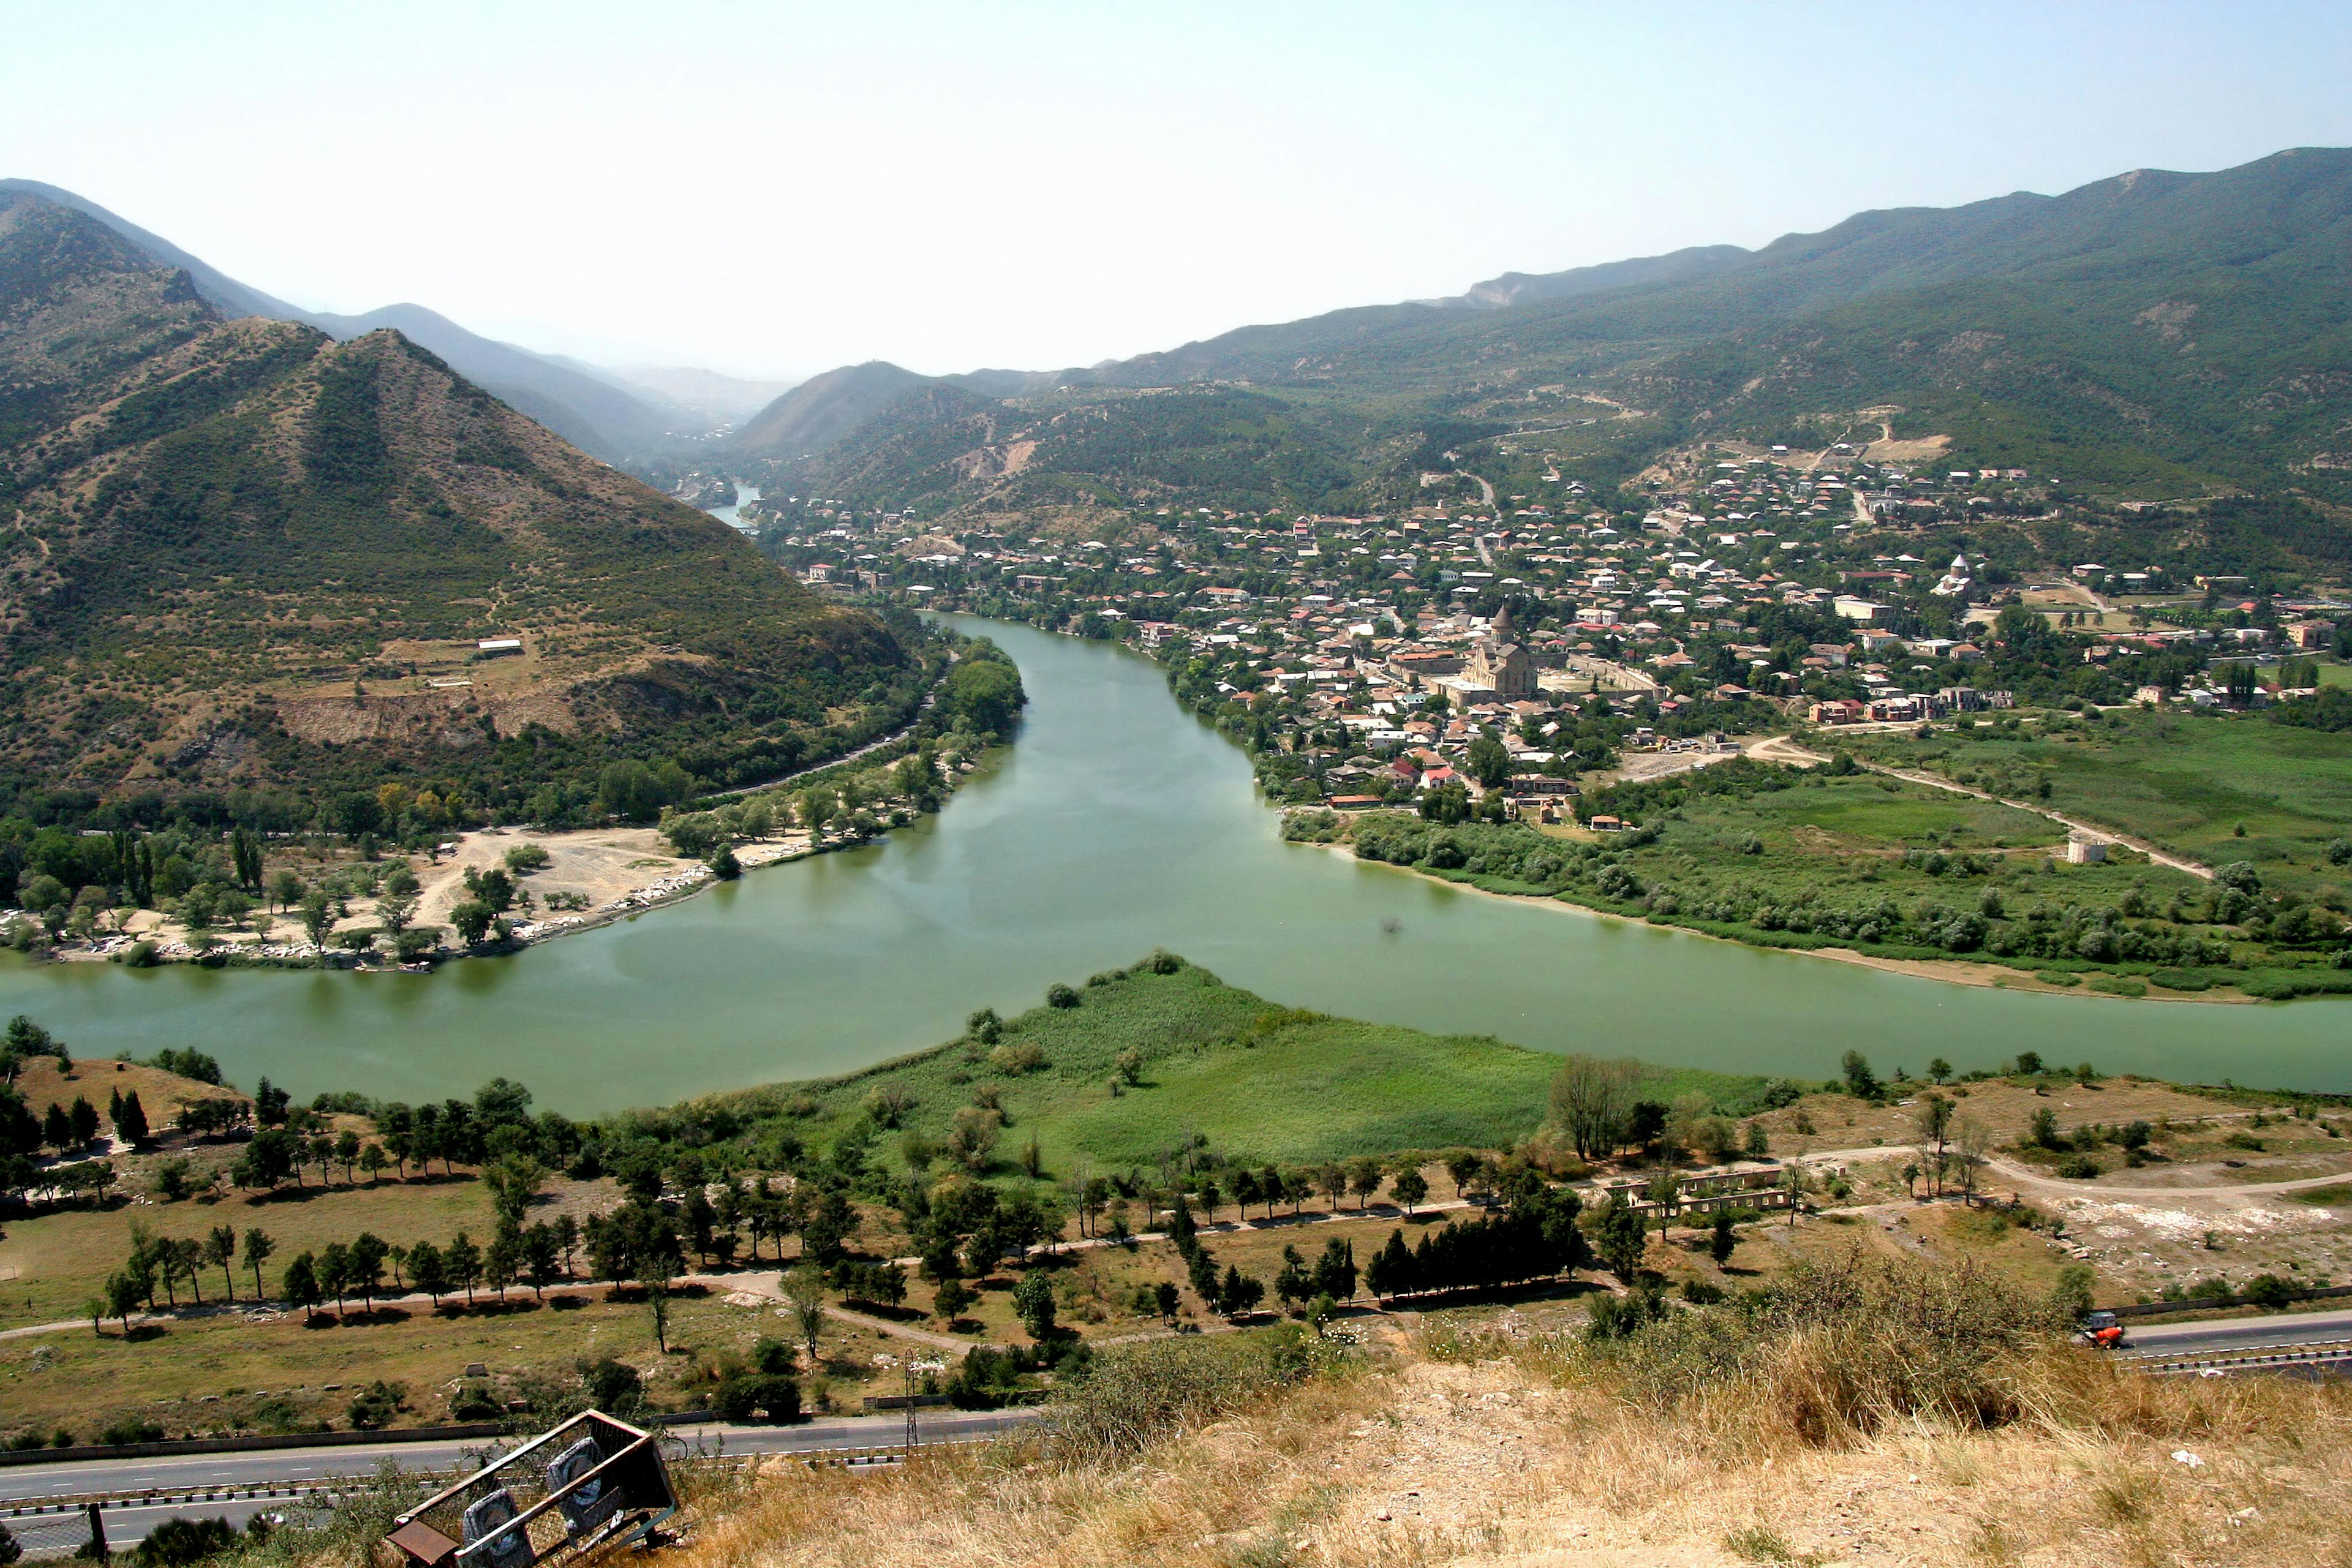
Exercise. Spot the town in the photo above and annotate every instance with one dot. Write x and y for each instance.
(1519, 644)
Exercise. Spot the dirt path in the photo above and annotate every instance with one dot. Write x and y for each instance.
(1781, 749)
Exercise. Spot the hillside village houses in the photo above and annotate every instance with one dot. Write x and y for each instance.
(1372, 651)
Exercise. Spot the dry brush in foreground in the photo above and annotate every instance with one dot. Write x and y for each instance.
(1870, 1413)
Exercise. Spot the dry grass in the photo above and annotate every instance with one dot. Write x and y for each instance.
(1509, 1448)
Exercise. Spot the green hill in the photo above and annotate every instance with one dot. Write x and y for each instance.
(2156, 333)
(1258, 1081)
(247, 557)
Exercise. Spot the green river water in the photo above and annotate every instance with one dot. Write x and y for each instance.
(1117, 824)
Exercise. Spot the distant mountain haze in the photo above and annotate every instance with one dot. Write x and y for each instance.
(601, 413)
(727, 399)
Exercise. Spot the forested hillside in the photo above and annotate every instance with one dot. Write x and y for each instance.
(2153, 335)
(245, 559)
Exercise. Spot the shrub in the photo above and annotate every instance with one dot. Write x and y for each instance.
(1012, 1061)
(1060, 995)
(772, 1394)
(2269, 1292)
(131, 1430)
(1133, 1397)
(181, 1542)
(524, 858)
(1849, 1346)
(374, 1406)
(2078, 1168)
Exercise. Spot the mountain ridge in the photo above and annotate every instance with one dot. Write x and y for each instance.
(2036, 331)
(602, 415)
(246, 556)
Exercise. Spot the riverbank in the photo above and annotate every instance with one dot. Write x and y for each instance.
(1952, 972)
(563, 883)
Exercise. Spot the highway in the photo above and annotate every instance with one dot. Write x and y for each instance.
(2223, 1336)
(235, 1486)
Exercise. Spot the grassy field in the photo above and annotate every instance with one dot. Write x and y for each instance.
(234, 1373)
(1259, 1081)
(52, 1263)
(2188, 783)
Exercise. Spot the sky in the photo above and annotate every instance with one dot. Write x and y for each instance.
(772, 189)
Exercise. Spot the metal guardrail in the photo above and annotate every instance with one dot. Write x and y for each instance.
(2313, 1354)
(175, 1496)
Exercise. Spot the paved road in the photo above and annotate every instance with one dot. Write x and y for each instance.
(2213, 1338)
(180, 1474)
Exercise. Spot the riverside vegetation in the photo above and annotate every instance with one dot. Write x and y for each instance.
(1833, 856)
(220, 890)
(1000, 1185)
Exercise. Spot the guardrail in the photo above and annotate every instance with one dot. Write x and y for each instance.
(2314, 1353)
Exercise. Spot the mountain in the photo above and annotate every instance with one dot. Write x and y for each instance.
(1523, 288)
(721, 399)
(591, 412)
(248, 556)
(603, 418)
(2156, 333)
(823, 408)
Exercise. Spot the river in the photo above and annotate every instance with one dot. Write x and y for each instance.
(1117, 824)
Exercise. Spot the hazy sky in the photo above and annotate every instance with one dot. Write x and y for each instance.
(772, 189)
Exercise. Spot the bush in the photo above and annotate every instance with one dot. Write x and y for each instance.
(1012, 1061)
(473, 1404)
(1133, 1397)
(1849, 1346)
(373, 1408)
(2269, 1292)
(2079, 1168)
(524, 858)
(180, 1542)
(614, 1387)
(131, 1430)
(772, 1394)
(1060, 995)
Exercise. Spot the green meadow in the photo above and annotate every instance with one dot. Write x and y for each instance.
(1257, 1080)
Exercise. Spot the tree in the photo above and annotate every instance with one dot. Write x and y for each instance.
(1591, 1100)
(1931, 1119)
(1618, 1236)
(130, 1119)
(1462, 1167)
(2070, 1295)
(83, 1116)
(1939, 1070)
(1409, 1188)
(428, 1270)
(372, 1162)
(805, 1289)
(122, 1294)
(301, 1287)
(1860, 1081)
(1363, 1179)
(318, 918)
(472, 920)
(1239, 1293)
(502, 1263)
(952, 1299)
(463, 1262)
(1129, 1063)
(1032, 1299)
(1721, 1243)
(347, 1153)
(220, 1251)
(1489, 760)
(258, 1246)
